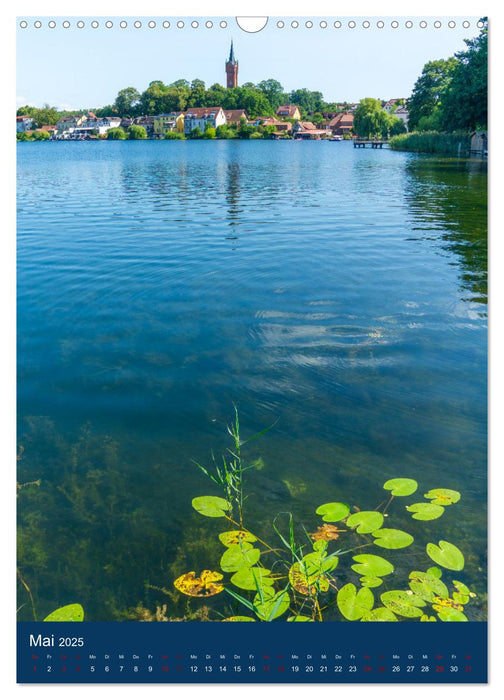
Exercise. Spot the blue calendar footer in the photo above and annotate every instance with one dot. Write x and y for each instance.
(238, 652)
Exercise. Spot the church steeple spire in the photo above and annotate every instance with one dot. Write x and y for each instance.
(231, 69)
(231, 54)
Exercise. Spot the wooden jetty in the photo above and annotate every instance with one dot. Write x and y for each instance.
(374, 143)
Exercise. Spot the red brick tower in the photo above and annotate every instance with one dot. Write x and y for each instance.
(232, 69)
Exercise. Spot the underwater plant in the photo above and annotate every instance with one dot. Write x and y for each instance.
(297, 579)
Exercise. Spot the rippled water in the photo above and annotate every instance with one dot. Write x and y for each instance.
(340, 292)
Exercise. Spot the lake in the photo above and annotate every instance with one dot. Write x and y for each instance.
(335, 294)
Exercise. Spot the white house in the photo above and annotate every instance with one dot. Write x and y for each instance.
(200, 117)
(403, 115)
(23, 123)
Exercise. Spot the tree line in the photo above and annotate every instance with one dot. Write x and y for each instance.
(451, 93)
(262, 99)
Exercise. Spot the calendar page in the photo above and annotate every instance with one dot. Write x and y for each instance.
(252, 349)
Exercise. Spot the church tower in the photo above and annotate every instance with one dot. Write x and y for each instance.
(232, 69)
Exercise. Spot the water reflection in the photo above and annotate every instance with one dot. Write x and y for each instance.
(449, 196)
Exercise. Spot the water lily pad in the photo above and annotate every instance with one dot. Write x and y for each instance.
(428, 618)
(447, 555)
(235, 537)
(403, 603)
(379, 615)
(370, 581)
(452, 616)
(401, 487)
(425, 511)
(238, 618)
(461, 587)
(435, 571)
(202, 586)
(365, 521)
(299, 618)
(252, 579)
(354, 604)
(392, 539)
(239, 556)
(211, 506)
(426, 585)
(443, 497)
(372, 565)
(332, 512)
(305, 583)
(271, 606)
(68, 613)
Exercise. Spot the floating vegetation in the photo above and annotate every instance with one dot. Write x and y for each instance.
(298, 577)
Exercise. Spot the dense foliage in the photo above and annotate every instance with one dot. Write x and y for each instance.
(452, 94)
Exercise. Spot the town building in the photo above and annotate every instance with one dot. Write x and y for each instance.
(403, 114)
(341, 124)
(234, 116)
(164, 123)
(24, 123)
(308, 130)
(231, 69)
(289, 112)
(203, 117)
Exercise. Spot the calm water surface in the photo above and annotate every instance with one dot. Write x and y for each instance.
(339, 292)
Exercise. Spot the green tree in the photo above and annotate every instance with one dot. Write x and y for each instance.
(137, 132)
(127, 101)
(430, 89)
(196, 133)
(210, 131)
(116, 134)
(197, 96)
(224, 131)
(41, 135)
(369, 118)
(23, 136)
(273, 92)
(245, 130)
(308, 100)
(465, 101)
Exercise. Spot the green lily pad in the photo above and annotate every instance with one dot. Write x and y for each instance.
(460, 598)
(271, 606)
(211, 506)
(370, 581)
(372, 565)
(379, 615)
(238, 618)
(239, 556)
(300, 618)
(428, 618)
(427, 586)
(461, 587)
(252, 579)
(425, 511)
(404, 603)
(401, 487)
(68, 613)
(332, 512)
(443, 497)
(392, 539)
(450, 615)
(354, 604)
(365, 521)
(232, 537)
(435, 571)
(446, 555)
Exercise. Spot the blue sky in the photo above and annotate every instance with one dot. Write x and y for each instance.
(86, 67)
